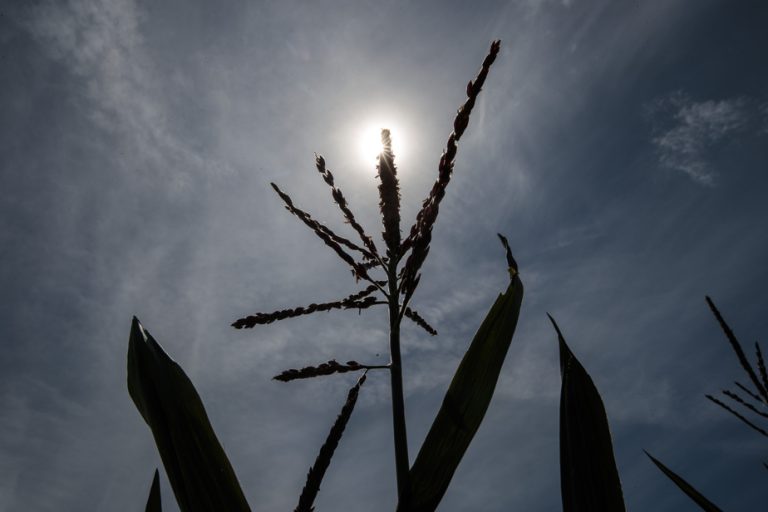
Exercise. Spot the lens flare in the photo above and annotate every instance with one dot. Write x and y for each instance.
(370, 141)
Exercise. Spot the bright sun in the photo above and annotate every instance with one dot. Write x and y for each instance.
(370, 141)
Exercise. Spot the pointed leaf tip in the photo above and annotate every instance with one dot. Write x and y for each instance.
(464, 405)
(511, 263)
(154, 503)
(684, 486)
(589, 479)
(136, 327)
(565, 351)
(200, 474)
(554, 324)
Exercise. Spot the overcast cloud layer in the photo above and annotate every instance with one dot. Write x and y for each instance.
(621, 147)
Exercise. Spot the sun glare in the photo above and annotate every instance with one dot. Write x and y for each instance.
(370, 141)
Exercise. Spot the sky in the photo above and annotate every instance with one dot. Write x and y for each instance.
(620, 146)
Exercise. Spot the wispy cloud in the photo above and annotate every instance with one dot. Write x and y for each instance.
(122, 92)
(145, 91)
(695, 128)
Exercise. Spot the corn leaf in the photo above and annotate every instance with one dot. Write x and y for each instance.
(197, 467)
(465, 403)
(153, 502)
(687, 488)
(589, 479)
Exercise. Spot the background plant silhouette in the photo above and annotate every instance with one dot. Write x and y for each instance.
(393, 275)
(200, 473)
(755, 404)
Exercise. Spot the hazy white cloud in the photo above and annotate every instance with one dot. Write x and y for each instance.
(696, 127)
(616, 265)
(100, 42)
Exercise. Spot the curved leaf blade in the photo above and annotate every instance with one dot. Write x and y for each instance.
(589, 479)
(200, 473)
(465, 403)
(684, 486)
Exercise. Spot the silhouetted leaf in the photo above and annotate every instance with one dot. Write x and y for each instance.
(589, 480)
(153, 502)
(197, 467)
(465, 403)
(511, 263)
(687, 488)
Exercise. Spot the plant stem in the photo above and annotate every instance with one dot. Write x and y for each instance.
(402, 465)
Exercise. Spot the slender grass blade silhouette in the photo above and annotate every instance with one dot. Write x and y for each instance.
(687, 488)
(759, 394)
(465, 403)
(200, 473)
(589, 480)
(153, 502)
(736, 346)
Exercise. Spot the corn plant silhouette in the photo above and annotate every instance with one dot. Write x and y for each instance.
(756, 400)
(198, 469)
(753, 402)
(400, 261)
(200, 473)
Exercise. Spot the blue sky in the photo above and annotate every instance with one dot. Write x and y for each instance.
(621, 147)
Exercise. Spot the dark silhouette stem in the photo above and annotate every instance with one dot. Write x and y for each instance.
(402, 465)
